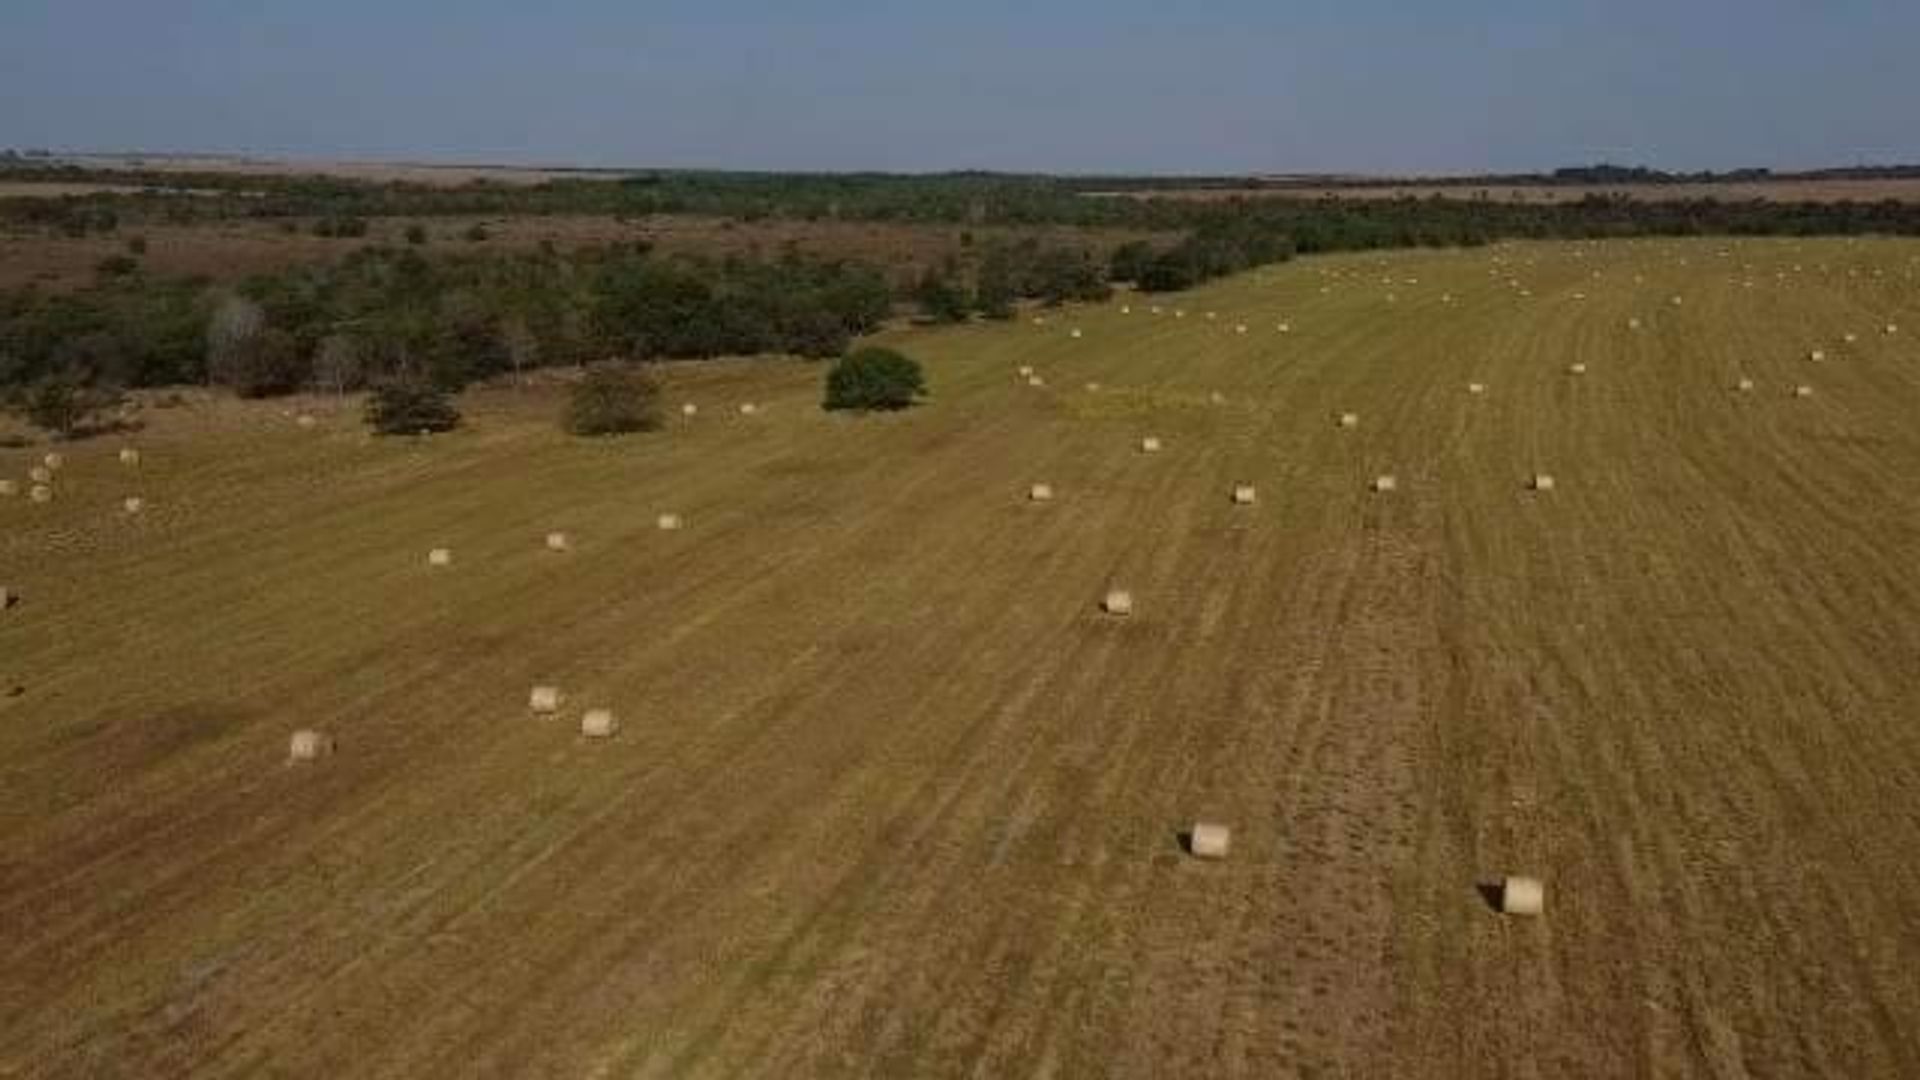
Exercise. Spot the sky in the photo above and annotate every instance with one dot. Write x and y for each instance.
(1079, 86)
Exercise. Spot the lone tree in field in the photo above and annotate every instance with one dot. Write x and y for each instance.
(410, 406)
(613, 399)
(874, 379)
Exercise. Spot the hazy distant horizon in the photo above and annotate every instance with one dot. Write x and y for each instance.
(1121, 87)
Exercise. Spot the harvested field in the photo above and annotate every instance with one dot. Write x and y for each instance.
(1824, 191)
(890, 796)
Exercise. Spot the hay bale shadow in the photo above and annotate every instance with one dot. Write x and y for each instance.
(1494, 893)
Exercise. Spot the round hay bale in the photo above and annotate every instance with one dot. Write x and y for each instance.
(748, 408)
(1541, 482)
(1093, 388)
(1523, 896)
(133, 504)
(1125, 310)
(1240, 328)
(557, 541)
(1675, 301)
(1244, 495)
(305, 421)
(1386, 482)
(1036, 382)
(1026, 371)
(129, 456)
(598, 724)
(1633, 323)
(1803, 390)
(1117, 602)
(53, 461)
(440, 557)
(689, 409)
(1209, 840)
(1850, 337)
(1744, 386)
(1155, 309)
(308, 745)
(1217, 398)
(545, 699)
(1576, 369)
(1349, 420)
(1179, 313)
(670, 523)
(1211, 315)
(1285, 328)
(40, 474)
(6, 598)
(1040, 493)
(1817, 355)
(9, 488)
(1476, 388)
(1074, 333)
(1150, 445)
(41, 493)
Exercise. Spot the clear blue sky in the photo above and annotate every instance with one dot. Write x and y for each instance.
(1080, 85)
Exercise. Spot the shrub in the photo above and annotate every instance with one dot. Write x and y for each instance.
(409, 407)
(65, 405)
(416, 235)
(613, 399)
(477, 234)
(137, 245)
(116, 266)
(870, 379)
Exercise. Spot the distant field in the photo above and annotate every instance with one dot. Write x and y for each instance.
(1780, 191)
(379, 172)
(230, 250)
(891, 798)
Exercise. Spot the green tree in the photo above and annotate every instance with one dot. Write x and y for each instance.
(874, 379)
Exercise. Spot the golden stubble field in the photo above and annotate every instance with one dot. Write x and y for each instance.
(891, 797)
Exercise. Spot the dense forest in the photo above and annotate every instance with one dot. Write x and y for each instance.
(456, 317)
